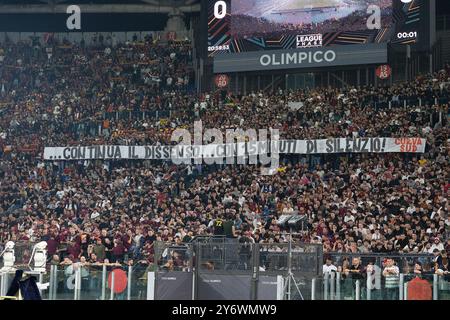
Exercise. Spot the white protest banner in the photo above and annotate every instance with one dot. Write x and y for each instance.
(251, 148)
(295, 105)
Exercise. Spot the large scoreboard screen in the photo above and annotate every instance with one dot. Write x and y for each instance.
(251, 25)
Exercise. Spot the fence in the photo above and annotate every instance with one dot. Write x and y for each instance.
(372, 284)
(411, 286)
(220, 268)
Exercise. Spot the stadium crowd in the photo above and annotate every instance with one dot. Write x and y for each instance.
(138, 93)
(244, 25)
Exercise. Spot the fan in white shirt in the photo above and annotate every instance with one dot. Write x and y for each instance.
(349, 216)
(329, 267)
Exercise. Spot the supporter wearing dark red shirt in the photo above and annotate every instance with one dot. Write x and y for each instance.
(118, 251)
(127, 239)
(52, 245)
(74, 249)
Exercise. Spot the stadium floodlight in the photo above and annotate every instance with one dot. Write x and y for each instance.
(40, 256)
(8, 257)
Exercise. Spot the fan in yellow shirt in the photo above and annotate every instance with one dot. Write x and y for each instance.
(282, 169)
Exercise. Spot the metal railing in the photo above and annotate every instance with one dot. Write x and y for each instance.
(404, 261)
(220, 268)
(336, 286)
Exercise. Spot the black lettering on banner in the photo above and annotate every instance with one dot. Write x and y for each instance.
(251, 147)
(117, 153)
(65, 154)
(196, 152)
(133, 153)
(364, 147)
(293, 145)
(158, 152)
(338, 147)
(101, 152)
(347, 145)
(90, 148)
(230, 150)
(167, 152)
(356, 145)
(81, 152)
(253, 155)
(187, 152)
(174, 152)
(283, 147)
(262, 147)
(329, 146)
(110, 152)
(376, 145)
(74, 153)
(309, 147)
(218, 149)
(245, 150)
(180, 151)
(148, 153)
(229, 153)
(222, 150)
(274, 147)
(241, 151)
(288, 146)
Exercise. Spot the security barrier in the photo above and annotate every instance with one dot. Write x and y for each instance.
(220, 268)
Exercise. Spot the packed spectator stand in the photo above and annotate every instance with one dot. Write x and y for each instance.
(248, 23)
(137, 93)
